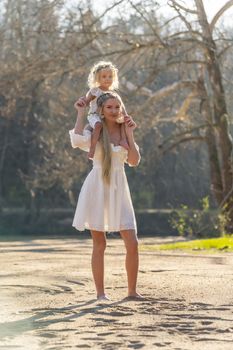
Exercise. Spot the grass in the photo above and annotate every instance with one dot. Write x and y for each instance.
(220, 244)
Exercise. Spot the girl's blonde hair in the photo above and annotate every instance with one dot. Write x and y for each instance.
(93, 78)
(104, 138)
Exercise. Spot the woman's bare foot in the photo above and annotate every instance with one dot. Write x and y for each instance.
(103, 297)
(135, 296)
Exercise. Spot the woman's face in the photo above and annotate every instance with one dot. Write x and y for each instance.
(112, 109)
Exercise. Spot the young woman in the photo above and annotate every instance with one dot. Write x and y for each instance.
(104, 203)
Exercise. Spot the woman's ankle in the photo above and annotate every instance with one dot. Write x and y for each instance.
(133, 293)
(102, 297)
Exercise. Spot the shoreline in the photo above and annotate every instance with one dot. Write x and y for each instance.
(48, 298)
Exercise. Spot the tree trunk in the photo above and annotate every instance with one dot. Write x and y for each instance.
(220, 115)
(212, 145)
(219, 100)
(2, 161)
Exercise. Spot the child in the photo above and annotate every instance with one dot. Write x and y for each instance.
(103, 78)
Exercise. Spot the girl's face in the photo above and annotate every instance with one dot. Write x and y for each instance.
(105, 78)
(112, 109)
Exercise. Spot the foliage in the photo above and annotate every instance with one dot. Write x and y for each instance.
(221, 244)
(199, 223)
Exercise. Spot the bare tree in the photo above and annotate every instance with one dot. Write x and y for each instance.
(38, 60)
(192, 54)
(214, 108)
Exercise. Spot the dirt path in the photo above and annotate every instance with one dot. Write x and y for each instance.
(47, 299)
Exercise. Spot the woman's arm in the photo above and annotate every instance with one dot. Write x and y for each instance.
(80, 108)
(133, 152)
(79, 136)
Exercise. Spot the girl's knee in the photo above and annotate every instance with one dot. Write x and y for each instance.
(98, 126)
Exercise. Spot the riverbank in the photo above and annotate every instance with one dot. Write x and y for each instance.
(47, 298)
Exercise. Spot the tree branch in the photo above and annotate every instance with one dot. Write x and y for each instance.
(186, 132)
(181, 114)
(173, 3)
(184, 32)
(106, 11)
(160, 93)
(223, 51)
(219, 14)
(148, 22)
(185, 139)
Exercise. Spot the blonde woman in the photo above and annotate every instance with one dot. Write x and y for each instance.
(103, 77)
(104, 203)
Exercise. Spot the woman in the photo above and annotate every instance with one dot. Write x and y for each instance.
(104, 202)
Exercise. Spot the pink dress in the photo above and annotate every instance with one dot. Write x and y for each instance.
(103, 207)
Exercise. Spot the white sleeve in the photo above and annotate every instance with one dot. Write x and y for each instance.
(81, 141)
(95, 92)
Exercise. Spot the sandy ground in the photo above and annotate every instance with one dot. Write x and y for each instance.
(47, 299)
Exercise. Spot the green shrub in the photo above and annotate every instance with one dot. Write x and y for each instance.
(205, 222)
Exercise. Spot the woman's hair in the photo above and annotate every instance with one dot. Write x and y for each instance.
(93, 78)
(104, 138)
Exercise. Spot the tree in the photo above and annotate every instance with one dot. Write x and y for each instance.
(192, 53)
(213, 106)
(43, 55)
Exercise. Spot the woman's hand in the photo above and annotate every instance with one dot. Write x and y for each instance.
(80, 103)
(130, 124)
(133, 152)
(80, 108)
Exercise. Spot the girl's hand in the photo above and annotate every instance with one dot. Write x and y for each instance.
(80, 103)
(130, 124)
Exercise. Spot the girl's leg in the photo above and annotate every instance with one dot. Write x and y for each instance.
(97, 261)
(94, 138)
(131, 261)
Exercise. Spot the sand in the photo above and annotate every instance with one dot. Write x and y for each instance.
(47, 298)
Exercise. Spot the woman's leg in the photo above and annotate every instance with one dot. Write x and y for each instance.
(97, 261)
(131, 261)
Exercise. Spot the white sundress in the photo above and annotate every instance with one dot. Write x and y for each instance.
(103, 207)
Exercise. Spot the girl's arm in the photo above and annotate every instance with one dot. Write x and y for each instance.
(133, 152)
(89, 97)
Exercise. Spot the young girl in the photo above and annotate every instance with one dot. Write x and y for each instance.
(103, 78)
(104, 202)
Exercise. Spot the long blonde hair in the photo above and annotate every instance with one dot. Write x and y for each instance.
(93, 78)
(104, 137)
